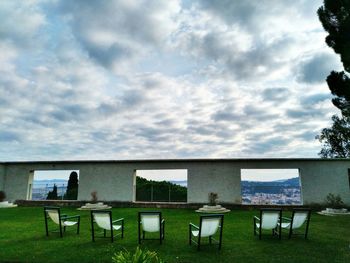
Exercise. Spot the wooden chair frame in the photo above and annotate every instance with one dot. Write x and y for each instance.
(211, 239)
(111, 224)
(275, 231)
(61, 217)
(161, 226)
(290, 220)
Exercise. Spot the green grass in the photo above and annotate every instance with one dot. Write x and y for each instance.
(23, 239)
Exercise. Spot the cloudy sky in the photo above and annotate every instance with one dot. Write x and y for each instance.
(162, 79)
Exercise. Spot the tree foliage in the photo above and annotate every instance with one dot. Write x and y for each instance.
(52, 195)
(335, 18)
(149, 190)
(336, 139)
(72, 187)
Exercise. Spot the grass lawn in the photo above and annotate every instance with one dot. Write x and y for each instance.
(23, 239)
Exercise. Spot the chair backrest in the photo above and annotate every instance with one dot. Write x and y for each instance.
(102, 218)
(269, 218)
(53, 213)
(299, 218)
(210, 224)
(150, 221)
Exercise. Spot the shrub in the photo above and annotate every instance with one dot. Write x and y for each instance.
(94, 197)
(139, 256)
(213, 198)
(334, 201)
(2, 196)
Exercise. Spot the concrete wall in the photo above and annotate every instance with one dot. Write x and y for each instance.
(114, 180)
(2, 177)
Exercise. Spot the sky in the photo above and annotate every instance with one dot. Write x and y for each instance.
(267, 175)
(95, 80)
(163, 174)
(53, 174)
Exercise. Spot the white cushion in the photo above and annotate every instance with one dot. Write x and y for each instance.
(103, 220)
(269, 220)
(68, 223)
(285, 225)
(299, 219)
(117, 227)
(195, 232)
(53, 214)
(150, 222)
(209, 226)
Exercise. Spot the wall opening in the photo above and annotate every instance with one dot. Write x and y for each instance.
(55, 185)
(161, 185)
(271, 186)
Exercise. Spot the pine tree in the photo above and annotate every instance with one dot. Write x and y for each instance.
(52, 195)
(335, 19)
(72, 187)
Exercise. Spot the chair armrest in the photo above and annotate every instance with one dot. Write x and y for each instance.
(256, 218)
(118, 220)
(193, 225)
(163, 221)
(69, 217)
(63, 215)
(286, 218)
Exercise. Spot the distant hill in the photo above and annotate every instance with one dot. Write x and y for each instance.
(51, 182)
(292, 182)
(182, 183)
(272, 187)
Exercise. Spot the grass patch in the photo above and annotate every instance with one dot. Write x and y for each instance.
(23, 239)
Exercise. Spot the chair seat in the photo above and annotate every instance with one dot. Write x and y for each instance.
(258, 226)
(69, 223)
(117, 227)
(285, 225)
(195, 233)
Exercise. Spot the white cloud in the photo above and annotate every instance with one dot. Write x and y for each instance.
(120, 79)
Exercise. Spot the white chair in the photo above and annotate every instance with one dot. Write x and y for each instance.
(54, 213)
(103, 219)
(209, 225)
(300, 217)
(268, 220)
(151, 222)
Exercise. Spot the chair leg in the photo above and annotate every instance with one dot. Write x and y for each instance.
(78, 228)
(122, 229)
(112, 237)
(104, 232)
(210, 240)
(280, 232)
(139, 233)
(254, 228)
(199, 243)
(189, 236)
(290, 233)
(61, 235)
(46, 226)
(260, 233)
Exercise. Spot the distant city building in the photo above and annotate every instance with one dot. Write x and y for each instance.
(281, 192)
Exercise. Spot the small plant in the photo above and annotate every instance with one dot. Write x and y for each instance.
(334, 201)
(2, 196)
(94, 197)
(213, 198)
(139, 256)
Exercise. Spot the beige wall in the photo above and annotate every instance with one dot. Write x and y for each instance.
(114, 180)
